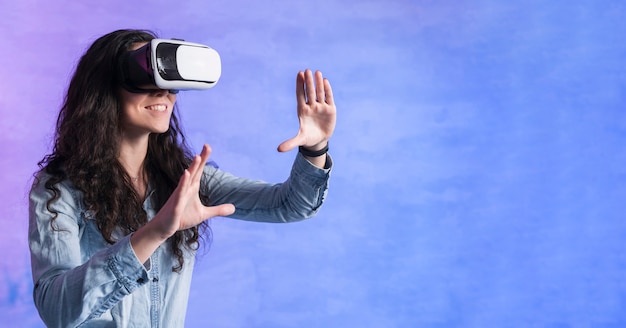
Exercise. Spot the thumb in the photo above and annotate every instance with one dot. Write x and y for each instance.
(219, 210)
(290, 144)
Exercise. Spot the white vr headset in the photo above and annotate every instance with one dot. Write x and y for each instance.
(170, 65)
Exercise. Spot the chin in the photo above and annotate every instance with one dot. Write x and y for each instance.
(159, 129)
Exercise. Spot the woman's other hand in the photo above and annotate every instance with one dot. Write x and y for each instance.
(182, 210)
(317, 113)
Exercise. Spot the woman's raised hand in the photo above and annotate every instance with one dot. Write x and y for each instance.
(182, 210)
(317, 113)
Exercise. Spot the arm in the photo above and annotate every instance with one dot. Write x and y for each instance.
(317, 116)
(74, 285)
(70, 289)
(303, 193)
(298, 198)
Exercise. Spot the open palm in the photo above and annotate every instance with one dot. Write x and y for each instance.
(316, 112)
(184, 209)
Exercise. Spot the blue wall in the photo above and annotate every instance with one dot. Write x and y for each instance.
(480, 156)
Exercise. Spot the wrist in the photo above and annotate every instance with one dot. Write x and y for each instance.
(151, 233)
(145, 241)
(315, 151)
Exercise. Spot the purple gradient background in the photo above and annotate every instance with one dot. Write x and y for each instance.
(480, 156)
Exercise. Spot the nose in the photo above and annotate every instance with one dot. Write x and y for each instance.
(163, 92)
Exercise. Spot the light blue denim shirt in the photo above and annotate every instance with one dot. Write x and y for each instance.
(82, 281)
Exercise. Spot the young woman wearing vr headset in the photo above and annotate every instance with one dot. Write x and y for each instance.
(120, 204)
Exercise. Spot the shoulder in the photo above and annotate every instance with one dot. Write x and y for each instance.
(45, 187)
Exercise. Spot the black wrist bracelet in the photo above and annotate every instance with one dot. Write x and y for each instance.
(309, 153)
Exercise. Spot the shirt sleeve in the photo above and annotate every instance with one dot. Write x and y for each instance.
(298, 198)
(70, 290)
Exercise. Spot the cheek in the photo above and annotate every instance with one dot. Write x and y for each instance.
(124, 116)
(129, 110)
(131, 100)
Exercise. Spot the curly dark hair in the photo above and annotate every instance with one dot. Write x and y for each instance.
(88, 133)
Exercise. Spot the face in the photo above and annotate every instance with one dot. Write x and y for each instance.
(145, 113)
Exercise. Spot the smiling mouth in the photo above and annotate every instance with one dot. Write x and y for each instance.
(157, 108)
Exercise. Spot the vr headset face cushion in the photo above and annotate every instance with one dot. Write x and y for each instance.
(137, 67)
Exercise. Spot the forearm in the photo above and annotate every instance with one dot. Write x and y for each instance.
(299, 197)
(68, 297)
(68, 289)
(146, 241)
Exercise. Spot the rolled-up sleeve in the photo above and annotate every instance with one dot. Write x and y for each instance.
(70, 289)
(297, 198)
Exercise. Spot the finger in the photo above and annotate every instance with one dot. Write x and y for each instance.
(329, 92)
(290, 144)
(219, 210)
(204, 156)
(300, 96)
(182, 183)
(180, 191)
(319, 87)
(205, 153)
(195, 164)
(309, 86)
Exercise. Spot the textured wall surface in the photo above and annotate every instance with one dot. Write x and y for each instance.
(480, 156)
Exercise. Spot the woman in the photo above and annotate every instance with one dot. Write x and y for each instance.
(118, 207)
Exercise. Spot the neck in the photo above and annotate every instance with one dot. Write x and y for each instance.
(132, 155)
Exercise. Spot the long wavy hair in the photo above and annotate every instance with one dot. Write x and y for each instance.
(86, 146)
